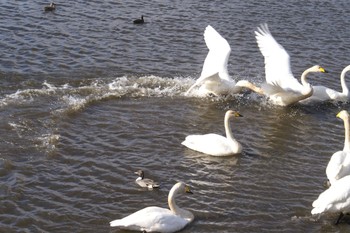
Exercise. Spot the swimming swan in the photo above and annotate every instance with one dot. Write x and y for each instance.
(335, 199)
(281, 87)
(339, 164)
(214, 144)
(214, 78)
(156, 219)
(144, 182)
(322, 93)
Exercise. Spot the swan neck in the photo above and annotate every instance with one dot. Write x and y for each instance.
(174, 208)
(228, 129)
(343, 83)
(303, 78)
(347, 134)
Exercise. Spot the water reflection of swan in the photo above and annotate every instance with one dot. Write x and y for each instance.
(281, 87)
(144, 182)
(322, 93)
(339, 164)
(214, 78)
(156, 219)
(335, 199)
(214, 144)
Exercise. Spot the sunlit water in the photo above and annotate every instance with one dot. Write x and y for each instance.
(87, 98)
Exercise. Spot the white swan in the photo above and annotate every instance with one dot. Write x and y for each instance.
(156, 219)
(214, 144)
(335, 199)
(214, 78)
(281, 86)
(339, 164)
(322, 93)
(144, 182)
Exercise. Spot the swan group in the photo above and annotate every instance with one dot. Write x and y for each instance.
(157, 219)
(281, 88)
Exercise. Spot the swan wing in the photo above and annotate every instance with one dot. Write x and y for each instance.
(212, 144)
(218, 55)
(151, 219)
(334, 199)
(277, 62)
(338, 166)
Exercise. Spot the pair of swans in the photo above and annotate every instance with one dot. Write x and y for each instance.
(157, 219)
(145, 182)
(214, 144)
(337, 197)
(281, 87)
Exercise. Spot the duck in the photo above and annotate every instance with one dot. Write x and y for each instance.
(157, 219)
(322, 93)
(214, 79)
(281, 87)
(339, 164)
(214, 144)
(144, 182)
(50, 7)
(335, 199)
(139, 21)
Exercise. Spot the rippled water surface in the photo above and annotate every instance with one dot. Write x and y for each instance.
(87, 98)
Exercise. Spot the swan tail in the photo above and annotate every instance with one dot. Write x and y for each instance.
(116, 223)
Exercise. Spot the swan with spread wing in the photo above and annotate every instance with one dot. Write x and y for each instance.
(214, 78)
(281, 87)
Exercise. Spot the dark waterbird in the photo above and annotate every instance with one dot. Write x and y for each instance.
(139, 21)
(50, 7)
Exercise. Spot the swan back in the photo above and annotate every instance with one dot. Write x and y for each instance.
(334, 199)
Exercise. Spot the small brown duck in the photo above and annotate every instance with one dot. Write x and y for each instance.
(145, 183)
(50, 7)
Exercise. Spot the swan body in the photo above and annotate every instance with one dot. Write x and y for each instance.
(335, 199)
(156, 219)
(144, 182)
(214, 78)
(339, 164)
(322, 93)
(281, 87)
(214, 144)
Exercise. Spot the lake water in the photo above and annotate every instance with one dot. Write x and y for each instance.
(87, 98)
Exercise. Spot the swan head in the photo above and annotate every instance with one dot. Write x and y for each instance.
(140, 173)
(343, 115)
(346, 69)
(318, 68)
(231, 113)
(181, 187)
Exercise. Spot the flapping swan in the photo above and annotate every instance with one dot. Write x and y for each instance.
(322, 93)
(281, 86)
(214, 144)
(339, 164)
(144, 182)
(335, 199)
(214, 78)
(156, 219)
